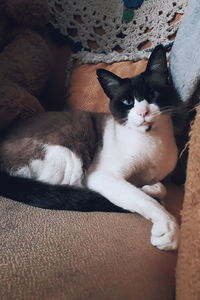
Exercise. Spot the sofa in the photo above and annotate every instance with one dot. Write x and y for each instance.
(54, 255)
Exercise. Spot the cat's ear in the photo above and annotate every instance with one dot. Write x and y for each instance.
(158, 62)
(109, 81)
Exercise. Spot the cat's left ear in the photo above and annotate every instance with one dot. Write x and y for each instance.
(109, 81)
(158, 62)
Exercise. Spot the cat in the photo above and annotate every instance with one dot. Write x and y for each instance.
(83, 161)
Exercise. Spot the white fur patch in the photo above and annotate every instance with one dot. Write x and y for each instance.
(22, 172)
(130, 151)
(60, 166)
(142, 111)
(156, 190)
(149, 157)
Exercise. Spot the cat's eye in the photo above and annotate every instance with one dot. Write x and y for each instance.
(128, 102)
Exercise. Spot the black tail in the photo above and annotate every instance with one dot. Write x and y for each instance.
(58, 197)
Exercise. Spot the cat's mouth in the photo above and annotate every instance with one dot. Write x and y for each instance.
(147, 124)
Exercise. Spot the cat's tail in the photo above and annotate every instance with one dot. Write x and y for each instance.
(58, 197)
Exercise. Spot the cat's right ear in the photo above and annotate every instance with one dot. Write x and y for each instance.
(158, 62)
(108, 81)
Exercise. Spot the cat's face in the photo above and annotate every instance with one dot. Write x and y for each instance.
(141, 100)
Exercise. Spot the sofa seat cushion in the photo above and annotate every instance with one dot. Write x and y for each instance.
(69, 255)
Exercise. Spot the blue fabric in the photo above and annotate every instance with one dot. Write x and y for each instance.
(185, 54)
(134, 4)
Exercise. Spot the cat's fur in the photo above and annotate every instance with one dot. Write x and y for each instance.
(78, 160)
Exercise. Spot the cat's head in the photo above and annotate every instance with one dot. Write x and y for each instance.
(141, 100)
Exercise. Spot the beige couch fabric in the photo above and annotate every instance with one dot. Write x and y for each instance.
(55, 255)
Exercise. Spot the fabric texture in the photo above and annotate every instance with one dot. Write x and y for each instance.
(99, 28)
(84, 84)
(184, 59)
(188, 267)
(53, 255)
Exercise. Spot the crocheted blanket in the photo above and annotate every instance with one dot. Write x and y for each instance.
(116, 30)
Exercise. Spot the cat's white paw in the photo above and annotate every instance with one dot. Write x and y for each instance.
(157, 190)
(165, 234)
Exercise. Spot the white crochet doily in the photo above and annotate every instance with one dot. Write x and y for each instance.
(98, 26)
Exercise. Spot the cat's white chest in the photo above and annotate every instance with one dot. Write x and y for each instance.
(146, 157)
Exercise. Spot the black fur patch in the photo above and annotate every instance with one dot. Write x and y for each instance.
(58, 197)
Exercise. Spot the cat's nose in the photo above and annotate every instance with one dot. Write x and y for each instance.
(144, 113)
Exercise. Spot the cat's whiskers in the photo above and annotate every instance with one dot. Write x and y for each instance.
(155, 114)
(165, 110)
(170, 110)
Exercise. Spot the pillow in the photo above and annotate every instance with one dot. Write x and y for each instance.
(85, 92)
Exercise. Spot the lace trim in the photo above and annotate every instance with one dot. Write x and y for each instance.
(99, 27)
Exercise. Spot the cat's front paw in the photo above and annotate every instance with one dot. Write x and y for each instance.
(165, 234)
(157, 190)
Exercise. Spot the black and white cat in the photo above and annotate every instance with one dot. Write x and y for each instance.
(84, 161)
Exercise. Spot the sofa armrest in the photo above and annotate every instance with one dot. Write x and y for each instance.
(188, 268)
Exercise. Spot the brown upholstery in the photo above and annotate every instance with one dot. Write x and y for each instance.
(68, 255)
(85, 91)
(188, 268)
